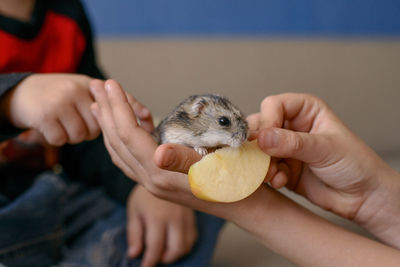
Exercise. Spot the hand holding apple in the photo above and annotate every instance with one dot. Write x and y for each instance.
(319, 157)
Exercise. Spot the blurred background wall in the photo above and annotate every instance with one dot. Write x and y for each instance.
(347, 52)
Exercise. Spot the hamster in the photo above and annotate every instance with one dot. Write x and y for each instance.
(203, 121)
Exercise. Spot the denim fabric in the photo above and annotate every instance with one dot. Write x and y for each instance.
(67, 224)
(31, 226)
(52, 213)
(105, 244)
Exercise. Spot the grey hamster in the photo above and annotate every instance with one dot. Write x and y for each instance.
(203, 121)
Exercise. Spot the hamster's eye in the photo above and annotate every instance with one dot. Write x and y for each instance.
(224, 121)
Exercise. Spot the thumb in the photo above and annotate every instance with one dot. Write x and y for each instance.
(306, 147)
(177, 158)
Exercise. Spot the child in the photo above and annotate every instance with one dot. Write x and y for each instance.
(66, 205)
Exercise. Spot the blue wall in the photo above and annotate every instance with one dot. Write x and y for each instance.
(362, 18)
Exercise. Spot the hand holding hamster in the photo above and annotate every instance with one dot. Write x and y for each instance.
(203, 121)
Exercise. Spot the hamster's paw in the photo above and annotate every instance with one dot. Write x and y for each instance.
(201, 150)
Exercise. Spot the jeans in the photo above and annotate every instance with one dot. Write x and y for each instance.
(56, 222)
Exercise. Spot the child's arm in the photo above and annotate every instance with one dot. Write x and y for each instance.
(302, 237)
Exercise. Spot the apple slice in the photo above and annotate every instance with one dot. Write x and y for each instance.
(229, 174)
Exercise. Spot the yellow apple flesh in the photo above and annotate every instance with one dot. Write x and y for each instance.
(229, 174)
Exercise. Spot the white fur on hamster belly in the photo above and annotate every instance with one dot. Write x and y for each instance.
(186, 137)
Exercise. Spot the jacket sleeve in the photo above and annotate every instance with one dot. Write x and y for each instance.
(7, 82)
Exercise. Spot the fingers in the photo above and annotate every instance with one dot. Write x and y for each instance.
(278, 174)
(123, 159)
(308, 134)
(118, 121)
(76, 120)
(300, 109)
(163, 243)
(155, 244)
(120, 162)
(177, 158)
(180, 240)
(181, 235)
(131, 145)
(74, 125)
(305, 147)
(135, 233)
(54, 133)
(273, 170)
(142, 113)
(79, 123)
(253, 121)
(166, 231)
(120, 107)
(92, 127)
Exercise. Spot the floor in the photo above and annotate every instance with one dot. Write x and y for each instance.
(237, 248)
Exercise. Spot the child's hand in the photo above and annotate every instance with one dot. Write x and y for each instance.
(317, 156)
(162, 230)
(55, 105)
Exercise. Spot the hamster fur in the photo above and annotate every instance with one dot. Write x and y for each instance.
(203, 121)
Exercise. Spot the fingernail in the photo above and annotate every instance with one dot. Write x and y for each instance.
(92, 90)
(141, 110)
(94, 112)
(144, 113)
(108, 87)
(132, 251)
(252, 135)
(269, 138)
(94, 108)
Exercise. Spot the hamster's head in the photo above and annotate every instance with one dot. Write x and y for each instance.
(218, 122)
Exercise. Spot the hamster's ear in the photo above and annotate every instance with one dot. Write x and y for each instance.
(198, 105)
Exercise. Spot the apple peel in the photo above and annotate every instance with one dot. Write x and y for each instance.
(229, 174)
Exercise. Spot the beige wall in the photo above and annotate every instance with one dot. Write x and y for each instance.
(359, 79)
